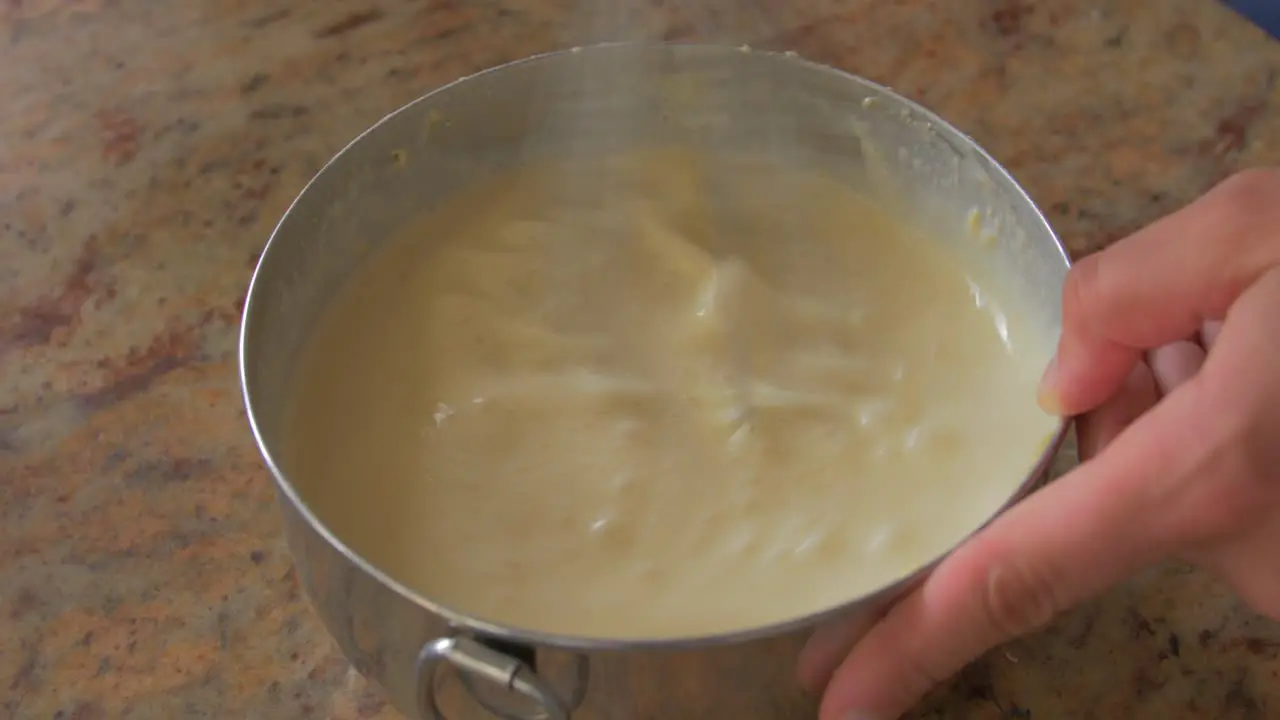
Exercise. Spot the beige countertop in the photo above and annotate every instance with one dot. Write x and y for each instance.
(147, 148)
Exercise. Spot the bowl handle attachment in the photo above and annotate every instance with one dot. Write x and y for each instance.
(479, 661)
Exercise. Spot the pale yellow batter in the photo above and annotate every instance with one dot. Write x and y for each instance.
(630, 402)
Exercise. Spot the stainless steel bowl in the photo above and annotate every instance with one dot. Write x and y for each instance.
(463, 132)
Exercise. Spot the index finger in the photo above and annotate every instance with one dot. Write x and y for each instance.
(1160, 285)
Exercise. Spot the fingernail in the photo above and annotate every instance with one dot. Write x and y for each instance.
(1047, 394)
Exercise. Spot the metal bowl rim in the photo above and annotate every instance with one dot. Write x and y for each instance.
(461, 619)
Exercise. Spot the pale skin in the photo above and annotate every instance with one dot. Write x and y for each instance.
(1170, 358)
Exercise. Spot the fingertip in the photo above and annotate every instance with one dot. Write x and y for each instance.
(1175, 363)
(828, 646)
(1209, 334)
(1050, 401)
(810, 674)
(1083, 375)
(885, 674)
(1048, 395)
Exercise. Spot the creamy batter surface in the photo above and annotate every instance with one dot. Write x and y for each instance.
(656, 406)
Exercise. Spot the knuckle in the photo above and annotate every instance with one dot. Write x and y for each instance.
(1238, 460)
(1017, 601)
(1245, 209)
(1248, 491)
(1250, 194)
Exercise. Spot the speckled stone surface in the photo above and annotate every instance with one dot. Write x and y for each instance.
(147, 148)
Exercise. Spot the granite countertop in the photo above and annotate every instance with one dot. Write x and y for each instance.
(147, 148)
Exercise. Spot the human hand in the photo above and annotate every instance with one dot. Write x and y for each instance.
(1171, 351)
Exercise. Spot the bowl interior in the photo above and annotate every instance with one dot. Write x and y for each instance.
(613, 98)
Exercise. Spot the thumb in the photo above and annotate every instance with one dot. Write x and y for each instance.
(1076, 537)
